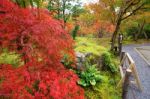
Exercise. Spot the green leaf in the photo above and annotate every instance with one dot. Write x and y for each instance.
(81, 82)
(93, 82)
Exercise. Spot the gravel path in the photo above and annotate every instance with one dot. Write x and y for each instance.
(144, 74)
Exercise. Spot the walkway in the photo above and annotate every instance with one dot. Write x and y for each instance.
(144, 74)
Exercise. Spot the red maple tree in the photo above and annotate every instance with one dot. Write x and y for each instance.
(42, 42)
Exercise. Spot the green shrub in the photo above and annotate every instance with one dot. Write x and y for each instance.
(107, 63)
(75, 31)
(90, 76)
(133, 30)
(92, 59)
(105, 90)
(147, 29)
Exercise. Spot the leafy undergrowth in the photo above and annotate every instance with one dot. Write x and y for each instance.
(106, 88)
(108, 64)
(90, 76)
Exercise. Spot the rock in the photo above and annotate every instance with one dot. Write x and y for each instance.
(80, 58)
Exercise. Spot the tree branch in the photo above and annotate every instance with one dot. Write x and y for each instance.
(135, 10)
(132, 3)
(2, 12)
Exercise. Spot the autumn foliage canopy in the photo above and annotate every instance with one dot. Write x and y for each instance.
(41, 41)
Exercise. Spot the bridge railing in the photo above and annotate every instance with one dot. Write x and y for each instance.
(127, 68)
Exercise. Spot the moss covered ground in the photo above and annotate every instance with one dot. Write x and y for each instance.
(107, 88)
(89, 45)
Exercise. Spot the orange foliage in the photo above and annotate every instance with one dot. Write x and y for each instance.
(69, 27)
(104, 25)
(96, 27)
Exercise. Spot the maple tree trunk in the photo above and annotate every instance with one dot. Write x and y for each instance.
(113, 38)
(118, 23)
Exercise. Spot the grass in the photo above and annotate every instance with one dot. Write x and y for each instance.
(140, 41)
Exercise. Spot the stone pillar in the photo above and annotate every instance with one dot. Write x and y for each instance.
(120, 38)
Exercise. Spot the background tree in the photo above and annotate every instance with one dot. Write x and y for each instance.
(127, 8)
(63, 8)
(32, 3)
(138, 24)
(97, 19)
